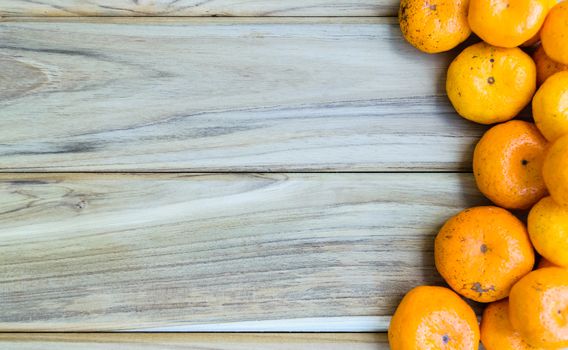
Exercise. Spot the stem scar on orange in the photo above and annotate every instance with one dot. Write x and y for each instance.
(507, 164)
(488, 84)
(497, 333)
(434, 26)
(538, 307)
(482, 252)
(433, 318)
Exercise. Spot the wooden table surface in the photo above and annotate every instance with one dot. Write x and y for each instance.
(219, 166)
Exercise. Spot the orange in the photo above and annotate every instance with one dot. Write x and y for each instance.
(507, 164)
(482, 252)
(507, 23)
(548, 230)
(434, 26)
(550, 106)
(497, 333)
(543, 263)
(433, 318)
(554, 33)
(538, 307)
(555, 170)
(487, 84)
(545, 66)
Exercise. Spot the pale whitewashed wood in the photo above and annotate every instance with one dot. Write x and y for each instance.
(224, 95)
(147, 252)
(199, 8)
(66, 341)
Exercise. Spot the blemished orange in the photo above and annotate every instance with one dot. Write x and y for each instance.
(506, 23)
(550, 106)
(545, 66)
(543, 263)
(488, 84)
(554, 33)
(555, 170)
(436, 26)
(433, 318)
(548, 230)
(538, 307)
(507, 164)
(481, 252)
(497, 333)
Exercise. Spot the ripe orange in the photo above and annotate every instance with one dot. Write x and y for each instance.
(550, 106)
(548, 230)
(434, 26)
(487, 84)
(554, 33)
(507, 23)
(507, 164)
(545, 66)
(433, 318)
(555, 170)
(538, 307)
(497, 333)
(482, 252)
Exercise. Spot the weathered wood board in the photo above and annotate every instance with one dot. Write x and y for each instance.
(199, 8)
(95, 252)
(210, 95)
(177, 341)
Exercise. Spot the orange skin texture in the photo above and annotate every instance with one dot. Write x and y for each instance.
(507, 164)
(431, 318)
(548, 230)
(554, 33)
(497, 333)
(536, 38)
(488, 85)
(434, 26)
(555, 170)
(550, 106)
(507, 23)
(538, 307)
(482, 252)
(543, 263)
(545, 66)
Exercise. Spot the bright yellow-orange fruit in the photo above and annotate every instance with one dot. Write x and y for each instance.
(507, 23)
(550, 106)
(432, 25)
(555, 170)
(548, 230)
(482, 252)
(538, 307)
(487, 84)
(545, 66)
(433, 318)
(507, 164)
(554, 33)
(497, 333)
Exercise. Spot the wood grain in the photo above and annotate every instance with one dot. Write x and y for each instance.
(176, 341)
(199, 8)
(145, 252)
(197, 95)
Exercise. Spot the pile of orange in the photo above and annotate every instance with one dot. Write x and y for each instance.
(487, 254)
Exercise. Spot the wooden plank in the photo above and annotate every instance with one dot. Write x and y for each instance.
(176, 341)
(215, 95)
(199, 8)
(86, 252)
